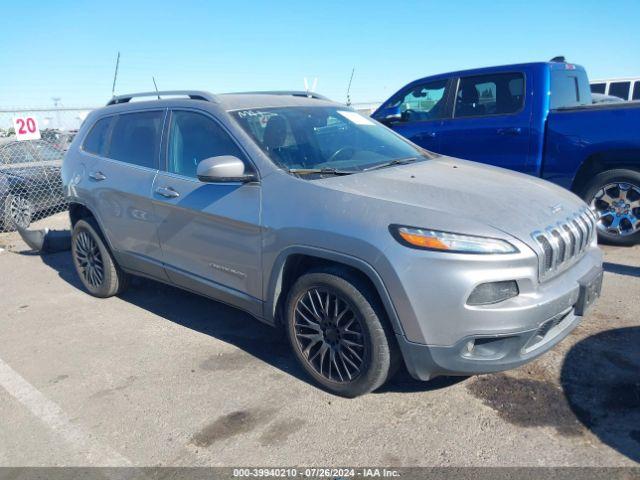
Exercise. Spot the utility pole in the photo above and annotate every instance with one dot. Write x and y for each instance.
(56, 104)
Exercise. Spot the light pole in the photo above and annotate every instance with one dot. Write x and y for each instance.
(56, 101)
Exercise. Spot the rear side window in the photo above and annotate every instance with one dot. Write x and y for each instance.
(620, 89)
(495, 94)
(135, 138)
(569, 88)
(636, 91)
(598, 87)
(96, 140)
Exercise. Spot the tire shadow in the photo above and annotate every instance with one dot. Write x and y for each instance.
(601, 380)
(198, 313)
(228, 324)
(402, 382)
(620, 269)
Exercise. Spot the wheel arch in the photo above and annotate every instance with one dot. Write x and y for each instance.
(295, 260)
(601, 162)
(79, 211)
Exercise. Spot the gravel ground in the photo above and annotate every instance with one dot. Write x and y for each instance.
(159, 376)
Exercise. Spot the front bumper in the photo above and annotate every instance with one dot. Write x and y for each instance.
(468, 340)
(489, 353)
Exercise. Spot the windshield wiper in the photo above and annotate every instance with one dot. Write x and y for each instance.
(397, 161)
(326, 170)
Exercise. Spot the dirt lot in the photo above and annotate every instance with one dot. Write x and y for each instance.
(163, 377)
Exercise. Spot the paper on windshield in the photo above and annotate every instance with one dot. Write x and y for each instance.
(355, 117)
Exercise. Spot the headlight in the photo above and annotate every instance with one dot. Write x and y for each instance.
(450, 242)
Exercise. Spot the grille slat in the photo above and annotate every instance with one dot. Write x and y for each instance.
(562, 244)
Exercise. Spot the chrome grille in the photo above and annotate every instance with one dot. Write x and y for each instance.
(564, 243)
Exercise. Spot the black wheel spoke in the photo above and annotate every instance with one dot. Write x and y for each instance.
(329, 334)
(89, 259)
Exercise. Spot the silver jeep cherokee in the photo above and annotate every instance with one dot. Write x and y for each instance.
(368, 249)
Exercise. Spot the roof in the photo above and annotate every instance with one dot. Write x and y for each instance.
(238, 101)
(501, 68)
(227, 101)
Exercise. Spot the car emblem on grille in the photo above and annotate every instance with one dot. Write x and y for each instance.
(555, 208)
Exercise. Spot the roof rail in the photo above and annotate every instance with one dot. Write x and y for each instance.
(293, 93)
(192, 94)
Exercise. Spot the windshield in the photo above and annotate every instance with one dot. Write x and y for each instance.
(325, 138)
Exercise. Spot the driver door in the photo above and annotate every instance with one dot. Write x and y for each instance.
(422, 108)
(209, 233)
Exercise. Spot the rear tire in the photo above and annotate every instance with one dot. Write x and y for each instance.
(339, 333)
(96, 267)
(614, 195)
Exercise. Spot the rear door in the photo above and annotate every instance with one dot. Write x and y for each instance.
(491, 122)
(420, 109)
(126, 152)
(209, 232)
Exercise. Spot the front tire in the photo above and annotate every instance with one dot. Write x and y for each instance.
(614, 196)
(339, 334)
(96, 267)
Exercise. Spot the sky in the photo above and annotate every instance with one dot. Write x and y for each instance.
(67, 49)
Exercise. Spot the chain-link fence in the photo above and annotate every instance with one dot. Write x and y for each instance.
(30, 183)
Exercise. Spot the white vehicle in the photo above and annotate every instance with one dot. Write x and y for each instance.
(624, 88)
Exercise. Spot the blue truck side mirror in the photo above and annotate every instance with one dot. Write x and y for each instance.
(388, 115)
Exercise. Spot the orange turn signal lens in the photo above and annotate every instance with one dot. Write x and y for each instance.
(422, 241)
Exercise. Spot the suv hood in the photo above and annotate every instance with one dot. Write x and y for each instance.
(511, 202)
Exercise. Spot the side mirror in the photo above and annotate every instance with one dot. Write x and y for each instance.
(388, 115)
(224, 168)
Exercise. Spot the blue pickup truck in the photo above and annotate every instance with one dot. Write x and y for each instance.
(536, 118)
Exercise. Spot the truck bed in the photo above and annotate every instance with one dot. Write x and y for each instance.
(576, 133)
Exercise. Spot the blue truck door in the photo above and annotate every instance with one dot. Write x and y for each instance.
(491, 122)
(416, 112)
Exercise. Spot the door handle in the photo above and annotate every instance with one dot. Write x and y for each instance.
(167, 192)
(97, 176)
(425, 135)
(510, 131)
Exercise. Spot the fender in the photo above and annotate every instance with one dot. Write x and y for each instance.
(75, 200)
(274, 287)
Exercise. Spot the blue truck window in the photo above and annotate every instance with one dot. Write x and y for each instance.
(598, 87)
(569, 88)
(636, 91)
(422, 102)
(495, 94)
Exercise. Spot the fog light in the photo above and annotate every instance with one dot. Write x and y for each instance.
(470, 345)
(493, 292)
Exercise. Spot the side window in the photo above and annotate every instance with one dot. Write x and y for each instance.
(569, 88)
(598, 87)
(422, 102)
(620, 89)
(46, 152)
(96, 140)
(194, 137)
(136, 138)
(636, 91)
(496, 94)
